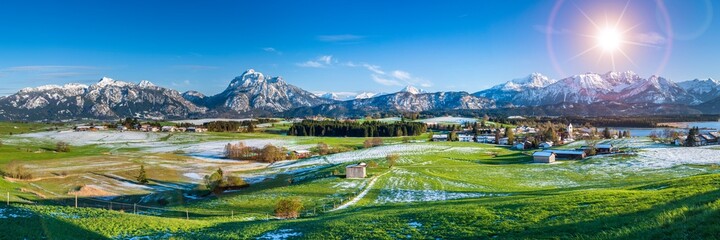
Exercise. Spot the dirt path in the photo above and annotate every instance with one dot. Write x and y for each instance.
(362, 194)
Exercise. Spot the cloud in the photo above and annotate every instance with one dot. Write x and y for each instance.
(319, 62)
(196, 67)
(544, 29)
(272, 50)
(652, 38)
(402, 75)
(385, 81)
(44, 68)
(373, 68)
(339, 38)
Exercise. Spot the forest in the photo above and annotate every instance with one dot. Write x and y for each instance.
(355, 129)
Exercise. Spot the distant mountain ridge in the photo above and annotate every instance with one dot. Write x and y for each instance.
(254, 94)
(623, 87)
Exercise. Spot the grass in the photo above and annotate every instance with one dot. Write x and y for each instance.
(434, 192)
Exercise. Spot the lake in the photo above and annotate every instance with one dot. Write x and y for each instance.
(644, 132)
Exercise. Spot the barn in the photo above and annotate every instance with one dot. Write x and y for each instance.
(356, 171)
(544, 157)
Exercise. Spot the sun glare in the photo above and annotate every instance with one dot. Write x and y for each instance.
(609, 39)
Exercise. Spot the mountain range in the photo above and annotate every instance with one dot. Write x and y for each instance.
(254, 94)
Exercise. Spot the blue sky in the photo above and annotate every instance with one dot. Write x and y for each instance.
(345, 46)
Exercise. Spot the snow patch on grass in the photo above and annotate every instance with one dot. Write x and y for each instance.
(280, 234)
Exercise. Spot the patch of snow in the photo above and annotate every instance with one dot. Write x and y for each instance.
(280, 234)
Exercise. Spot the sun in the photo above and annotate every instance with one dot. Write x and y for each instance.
(609, 39)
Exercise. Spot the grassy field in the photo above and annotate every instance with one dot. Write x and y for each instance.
(440, 190)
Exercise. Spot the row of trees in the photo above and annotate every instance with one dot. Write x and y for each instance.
(230, 126)
(355, 129)
(269, 153)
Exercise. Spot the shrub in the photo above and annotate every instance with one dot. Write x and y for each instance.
(17, 170)
(288, 208)
(62, 147)
(372, 164)
(392, 159)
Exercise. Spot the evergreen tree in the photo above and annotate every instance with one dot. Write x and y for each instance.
(142, 177)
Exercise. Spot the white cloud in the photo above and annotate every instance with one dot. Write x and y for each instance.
(373, 68)
(402, 75)
(385, 81)
(320, 62)
(272, 50)
(652, 38)
(339, 38)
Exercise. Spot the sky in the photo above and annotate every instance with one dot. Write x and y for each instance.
(352, 46)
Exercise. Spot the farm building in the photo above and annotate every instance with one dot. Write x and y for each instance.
(440, 138)
(546, 145)
(169, 129)
(302, 153)
(83, 128)
(485, 139)
(543, 157)
(356, 171)
(503, 141)
(606, 149)
(519, 146)
(465, 137)
(709, 139)
(568, 154)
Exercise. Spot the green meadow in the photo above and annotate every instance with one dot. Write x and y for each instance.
(435, 190)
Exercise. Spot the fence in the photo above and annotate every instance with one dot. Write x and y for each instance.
(324, 206)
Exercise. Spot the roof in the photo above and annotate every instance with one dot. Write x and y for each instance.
(359, 165)
(543, 154)
(604, 146)
(567, 152)
(302, 151)
(440, 136)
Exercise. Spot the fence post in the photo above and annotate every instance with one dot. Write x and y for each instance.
(134, 208)
(8, 198)
(187, 215)
(75, 200)
(111, 206)
(232, 213)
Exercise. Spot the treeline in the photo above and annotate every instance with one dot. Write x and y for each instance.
(355, 129)
(236, 126)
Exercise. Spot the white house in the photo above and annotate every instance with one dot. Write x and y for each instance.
(503, 141)
(168, 129)
(440, 138)
(465, 137)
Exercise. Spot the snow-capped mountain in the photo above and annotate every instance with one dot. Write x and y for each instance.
(624, 87)
(254, 92)
(505, 92)
(704, 90)
(399, 102)
(413, 90)
(365, 95)
(106, 99)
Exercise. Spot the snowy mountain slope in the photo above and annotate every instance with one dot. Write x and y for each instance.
(703, 90)
(106, 99)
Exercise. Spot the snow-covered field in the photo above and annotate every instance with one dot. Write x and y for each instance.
(458, 120)
(280, 234)
(207, 120)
